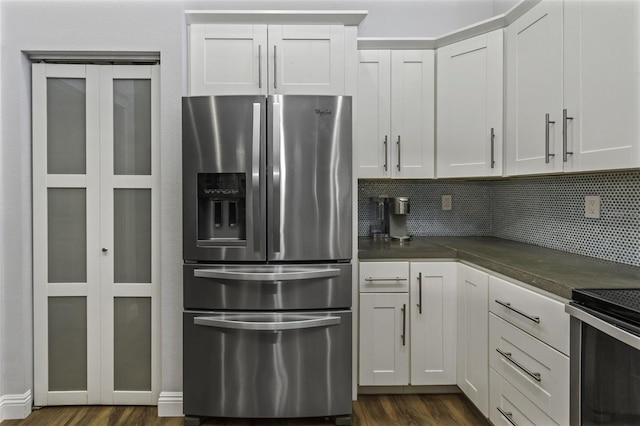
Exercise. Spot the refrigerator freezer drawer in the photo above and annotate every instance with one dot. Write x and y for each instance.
(267, 287)
(267, 365)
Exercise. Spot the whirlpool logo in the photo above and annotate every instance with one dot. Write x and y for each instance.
(323, 112)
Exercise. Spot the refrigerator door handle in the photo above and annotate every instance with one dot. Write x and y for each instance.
(261, 275)
(295, 322)
(277, 178)
(255, 177)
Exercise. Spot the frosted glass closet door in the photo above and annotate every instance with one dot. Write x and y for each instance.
(95, 222)
(66, 234)
(129, 233)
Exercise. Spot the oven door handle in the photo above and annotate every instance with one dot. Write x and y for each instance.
(248, 275)
(600, 323)
(297, 322)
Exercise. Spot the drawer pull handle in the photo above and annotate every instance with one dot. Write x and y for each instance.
(507, 415)
(507, 355)
(371, 279)
(527, 316)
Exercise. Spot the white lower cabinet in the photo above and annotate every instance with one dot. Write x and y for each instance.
(473, 336)
(540, 372)
(528, 356)
(509, 406)
(433, 323)
(407, 338)
(384, 343)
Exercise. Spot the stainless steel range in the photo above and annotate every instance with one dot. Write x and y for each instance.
(267, 249)
(605, 356)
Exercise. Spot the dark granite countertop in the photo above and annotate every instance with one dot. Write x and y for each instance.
(555, 271)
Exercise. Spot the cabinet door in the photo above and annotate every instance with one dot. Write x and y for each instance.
(306, 59)
(384, 339)
(534, 89)
(469, 135)
(601, 90)
(227, 59)
(373, 119)
(433, 323)
(412, 114)
(473, 335)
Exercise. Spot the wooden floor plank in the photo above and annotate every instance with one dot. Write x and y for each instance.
(369, 410)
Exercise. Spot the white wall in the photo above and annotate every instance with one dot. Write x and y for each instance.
(386, 18)
(141, 25)
(87, 26)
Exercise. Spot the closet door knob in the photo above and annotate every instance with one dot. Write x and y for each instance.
(104, 249)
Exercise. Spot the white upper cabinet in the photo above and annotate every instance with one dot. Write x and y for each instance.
(227, 59)
(374, 113)
(470, 107)
(307, 59)
(601, 90)
(395, 114)
(266, 59)
(534, 91)
(572, 87)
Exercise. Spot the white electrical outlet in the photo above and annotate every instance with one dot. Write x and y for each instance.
(592, 206)
(446, 202)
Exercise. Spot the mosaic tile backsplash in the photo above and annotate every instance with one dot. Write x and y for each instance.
(547, 211)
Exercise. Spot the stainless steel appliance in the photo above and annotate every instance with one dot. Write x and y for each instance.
(605, 357)
(267, 248)
(390, 215)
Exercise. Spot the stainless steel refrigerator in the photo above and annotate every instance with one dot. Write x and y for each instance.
(267, 216)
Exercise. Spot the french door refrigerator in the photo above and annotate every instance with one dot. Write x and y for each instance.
(267, 219)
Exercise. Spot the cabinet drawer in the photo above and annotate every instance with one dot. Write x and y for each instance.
(540, 372)
(383, 277)
(508, 406)
(538, 315)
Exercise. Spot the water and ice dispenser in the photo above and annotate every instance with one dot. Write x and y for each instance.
(221, 208)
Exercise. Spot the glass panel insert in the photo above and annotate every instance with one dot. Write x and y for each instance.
(67, 235)
(67, 343)
(132, 344)
(132, 235)
(66, 126)
(132, 127)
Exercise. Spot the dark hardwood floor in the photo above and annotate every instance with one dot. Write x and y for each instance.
(369, 410)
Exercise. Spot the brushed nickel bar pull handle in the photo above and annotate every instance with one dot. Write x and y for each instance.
(546, 138)
(255, 175)
(259, 66)
(398, 143)
(277, 175)
(275, 67)
(371, 279)
(508, 415)
(507, 355)
(527, 316)
(420, 293)
(493, 138)
(565, 153)
(296, 323)
(291, 274)
(404, 324)
(386, 153)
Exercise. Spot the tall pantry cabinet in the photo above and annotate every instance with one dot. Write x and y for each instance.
(572, 87)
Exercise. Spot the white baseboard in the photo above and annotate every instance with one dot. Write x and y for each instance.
(15, 406)
(170, 404)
